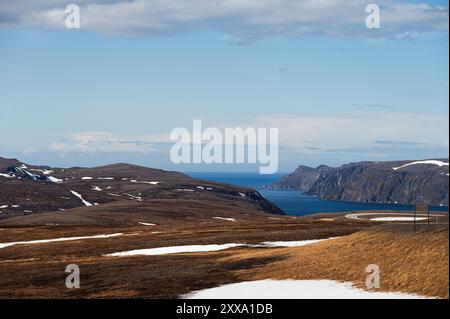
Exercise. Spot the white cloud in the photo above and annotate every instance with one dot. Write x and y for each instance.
(360, 132)
(29, 151)
(241, 20)
(334, 139)
(105, 142)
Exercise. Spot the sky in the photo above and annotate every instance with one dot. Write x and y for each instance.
(114, 89)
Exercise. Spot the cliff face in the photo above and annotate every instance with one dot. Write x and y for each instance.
(402, 182)
(303, 178)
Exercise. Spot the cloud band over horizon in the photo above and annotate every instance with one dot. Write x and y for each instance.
(239, 20)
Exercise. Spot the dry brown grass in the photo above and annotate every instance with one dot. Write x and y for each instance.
(409, 262)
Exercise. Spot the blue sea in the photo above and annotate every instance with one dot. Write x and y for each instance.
(294, 202)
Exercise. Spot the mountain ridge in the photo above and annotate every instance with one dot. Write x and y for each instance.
(28, 189)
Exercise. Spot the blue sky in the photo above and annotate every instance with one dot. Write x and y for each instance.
(109, 92)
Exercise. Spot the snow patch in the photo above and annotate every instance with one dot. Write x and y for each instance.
(145, 182)
(146, 224)
(43, 171)
(23, 170)
(294, 289)
(138, 198)
(225, 218)
(431, 162)
(206, 248)
(54, 179)
(42, 241)
(85, 202)
(298, 243)
(174, 250)
(112, 194)
(86, 178)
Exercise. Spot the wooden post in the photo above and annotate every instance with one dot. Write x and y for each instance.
(423, 210)
(415, 209)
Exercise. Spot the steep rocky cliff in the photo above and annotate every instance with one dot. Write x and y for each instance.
(302, 178)
(402, 182)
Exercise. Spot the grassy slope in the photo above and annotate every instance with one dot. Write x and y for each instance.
(409, 262)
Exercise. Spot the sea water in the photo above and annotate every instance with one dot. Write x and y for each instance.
(294, 202)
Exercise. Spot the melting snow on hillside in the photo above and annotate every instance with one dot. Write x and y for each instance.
(24, 170)
(431, 162)
(213, 247)
(85, 202)
(144, 182)
(174, 250)
(294, 289)
(54, 179)
(224, 218)
(138, 198)
(43, 171)
(43, 241)
(298, 243)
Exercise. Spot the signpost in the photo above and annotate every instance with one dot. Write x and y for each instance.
(421, 209)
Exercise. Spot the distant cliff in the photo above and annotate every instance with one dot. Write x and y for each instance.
(402, 182)
(303, 178)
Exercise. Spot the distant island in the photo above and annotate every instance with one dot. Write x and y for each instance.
(397, 182)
